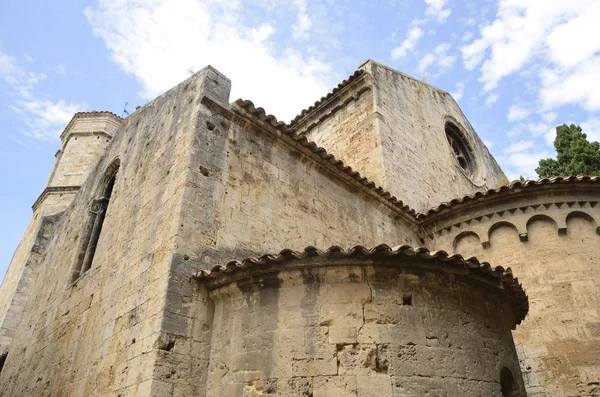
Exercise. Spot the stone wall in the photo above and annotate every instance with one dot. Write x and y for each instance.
(356, 327)
(419, 166)
(197, 186)
(251, 191)
(19, 280)
(391, 128)
(549, 236)
(346, 125)
(84, 142)
(100, 335)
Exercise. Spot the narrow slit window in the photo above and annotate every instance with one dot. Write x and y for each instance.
(97, 212)
(3, 360)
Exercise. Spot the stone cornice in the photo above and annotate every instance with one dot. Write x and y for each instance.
(501, 216)
(53, 190)
(77, 134)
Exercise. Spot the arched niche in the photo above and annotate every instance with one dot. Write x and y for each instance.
(508, 385)
(542, 228)
(503, 234)
(580, 224)
(467, 244)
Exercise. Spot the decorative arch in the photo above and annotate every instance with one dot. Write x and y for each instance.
(499, 225)
(540, 219)
(582, 215)
(467, 243)
(97, 210)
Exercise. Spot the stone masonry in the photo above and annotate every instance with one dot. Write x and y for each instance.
(145, 269)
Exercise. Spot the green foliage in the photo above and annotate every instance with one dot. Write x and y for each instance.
(575, 155)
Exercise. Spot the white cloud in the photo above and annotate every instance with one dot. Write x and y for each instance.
(60, 69)
(436, 10)
(549, 117)
(300, 30)
(467, 36)
(457, 94)
(412, 38)
(538, 129)
(579, 85)
(591, 128)
(516, 113)
(8, 65)
(158, 41)
(549, 137)
(44, 118)
(532, 130)
(425, 63)
(525, 162)
(555, 35)
(439, 56)
(28, 58)
(522, 158)
(518, 147)
(491, 99)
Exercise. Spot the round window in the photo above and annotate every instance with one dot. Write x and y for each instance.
(460, 149)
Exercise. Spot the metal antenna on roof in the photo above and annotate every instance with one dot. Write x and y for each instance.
(125, 112)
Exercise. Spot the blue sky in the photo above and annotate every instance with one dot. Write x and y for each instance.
(516, 67)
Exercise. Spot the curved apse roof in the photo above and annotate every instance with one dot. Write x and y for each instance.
(403, 256)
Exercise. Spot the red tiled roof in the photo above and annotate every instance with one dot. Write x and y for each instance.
(91, 113)
(511, 186)
(260, 114)
(447, 262)
(354, 76)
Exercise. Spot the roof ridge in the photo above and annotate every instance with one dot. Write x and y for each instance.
(336, 251)
(259, 113)
(512, 185)
(97, 112)
(354, 76)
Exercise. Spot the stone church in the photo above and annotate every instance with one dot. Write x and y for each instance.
(370, 247)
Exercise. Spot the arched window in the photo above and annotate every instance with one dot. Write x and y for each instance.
(98, 208)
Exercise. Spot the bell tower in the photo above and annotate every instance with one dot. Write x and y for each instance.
(83, 142)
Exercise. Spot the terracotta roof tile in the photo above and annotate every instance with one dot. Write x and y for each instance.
(511, 186)
(260, 114)
(469, 265)
(354, 76)
(98, 112)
